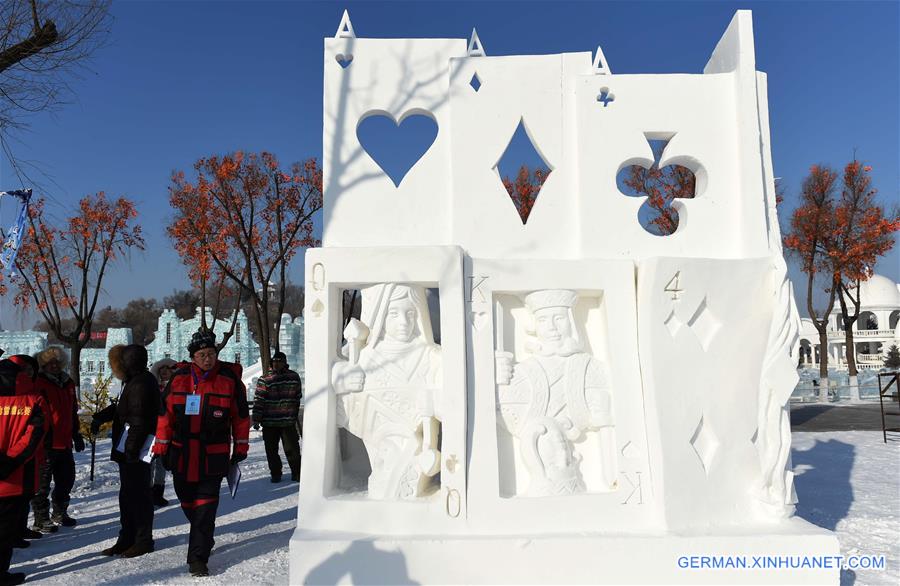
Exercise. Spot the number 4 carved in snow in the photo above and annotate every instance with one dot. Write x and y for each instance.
(674, 287)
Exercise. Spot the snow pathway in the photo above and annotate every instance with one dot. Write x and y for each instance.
(252, 532)
(848, 481)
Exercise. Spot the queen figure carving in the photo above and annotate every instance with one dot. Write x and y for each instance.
(389, 388)
(552, 399)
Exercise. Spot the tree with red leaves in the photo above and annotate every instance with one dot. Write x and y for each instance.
(243, 218)
(862, 234)
(661, 187)
(841, 240)
(60, 268)
(809, 241)
(524, 190)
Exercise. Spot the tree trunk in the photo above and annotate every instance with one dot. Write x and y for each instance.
(851, 364)
(264, 349)
(823, 364)
(849, 321)
(75, 350)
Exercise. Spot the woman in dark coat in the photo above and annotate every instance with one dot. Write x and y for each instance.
(134, 416)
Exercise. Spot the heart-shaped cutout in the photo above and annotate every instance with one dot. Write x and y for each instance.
(397, 147)
(344, 60)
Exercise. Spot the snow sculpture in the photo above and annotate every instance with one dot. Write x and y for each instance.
(388, 389)
(554, 398)
(567, 397)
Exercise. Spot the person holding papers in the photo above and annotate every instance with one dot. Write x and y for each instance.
(203, 432)
(134, 419)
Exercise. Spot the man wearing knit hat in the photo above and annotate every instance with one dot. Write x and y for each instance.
(553, 398)
(276, 406)
(203, 417)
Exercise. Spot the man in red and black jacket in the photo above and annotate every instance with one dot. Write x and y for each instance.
(203, 411)
(29, 368)
(21, 434)
(58, 390)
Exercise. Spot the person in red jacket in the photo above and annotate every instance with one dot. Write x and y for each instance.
(21, 434)
(58, 390)
(203, 411)
(29, 366)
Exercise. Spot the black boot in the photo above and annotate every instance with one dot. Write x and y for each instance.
(138, 549)
(43, 524)
(276, 478)
(158, 499)
(31, 534)
(198, 569)
(21, 544)
(61, 516)
(7, 579)
(116, 549)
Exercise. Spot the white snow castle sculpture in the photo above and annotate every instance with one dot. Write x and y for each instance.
(551, 401)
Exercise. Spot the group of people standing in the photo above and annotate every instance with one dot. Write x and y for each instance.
(189, 418)
(39, 428)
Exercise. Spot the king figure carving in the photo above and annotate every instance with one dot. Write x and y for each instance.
(389, 388)
(551, 400)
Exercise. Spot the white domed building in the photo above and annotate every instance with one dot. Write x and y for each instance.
(873, 333)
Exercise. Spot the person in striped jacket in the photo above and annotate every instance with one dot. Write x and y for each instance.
(276, 407)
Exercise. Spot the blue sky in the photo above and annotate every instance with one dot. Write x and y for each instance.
(181, 80)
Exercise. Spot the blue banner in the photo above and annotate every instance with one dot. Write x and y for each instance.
(16, 231)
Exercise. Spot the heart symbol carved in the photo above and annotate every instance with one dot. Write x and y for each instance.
(478, 319)
(344, 60)
(396, 146)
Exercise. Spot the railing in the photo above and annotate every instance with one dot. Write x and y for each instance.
(832, 335)
(885, 382)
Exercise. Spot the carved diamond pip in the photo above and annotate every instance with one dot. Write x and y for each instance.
(673, 324)
(704, 324)
(705, 444)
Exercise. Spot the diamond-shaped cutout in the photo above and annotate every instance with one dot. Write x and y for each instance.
(673, 324)
(704, 324)
(705, 444)
(475, 82)
(523, 170)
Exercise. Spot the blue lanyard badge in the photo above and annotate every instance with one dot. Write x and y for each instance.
(192, 405)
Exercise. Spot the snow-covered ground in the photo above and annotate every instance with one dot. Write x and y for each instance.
(847, 481)
(252, 532)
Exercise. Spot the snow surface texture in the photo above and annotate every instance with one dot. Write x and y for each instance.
(847, 481)
(252, 532)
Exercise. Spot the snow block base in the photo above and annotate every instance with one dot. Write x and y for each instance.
(321, 557)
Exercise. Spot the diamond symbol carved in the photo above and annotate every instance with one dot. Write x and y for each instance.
(705, 444)
(523, 169)
(475, 82)
(704, 324)
(673, 324)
